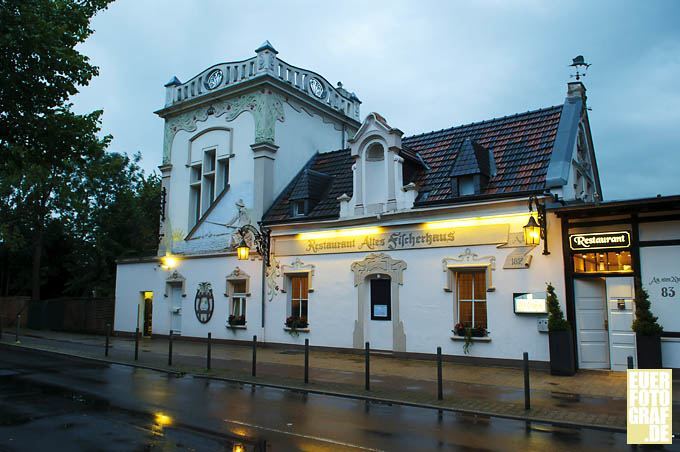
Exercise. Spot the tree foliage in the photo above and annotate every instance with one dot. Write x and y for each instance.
(45, 147)
(556, 320)
(68, 208)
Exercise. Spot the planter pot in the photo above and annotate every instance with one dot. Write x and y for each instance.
(648, 352)
(561, 353)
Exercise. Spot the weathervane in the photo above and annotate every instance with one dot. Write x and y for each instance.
(579, 63)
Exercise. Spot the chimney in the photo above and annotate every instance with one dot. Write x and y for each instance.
(576, 89)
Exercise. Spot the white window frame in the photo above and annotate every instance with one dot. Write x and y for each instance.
(473, 300)
(289, 310)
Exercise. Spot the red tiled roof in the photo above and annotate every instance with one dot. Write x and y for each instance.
(521, 144)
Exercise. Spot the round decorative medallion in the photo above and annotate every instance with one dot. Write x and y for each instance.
(204, 302)
(213, 79)
(316, 87)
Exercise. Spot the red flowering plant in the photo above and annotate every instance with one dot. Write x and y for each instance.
(294, 322)
(236, 320)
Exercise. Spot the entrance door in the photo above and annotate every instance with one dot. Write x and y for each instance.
(620, 296)
(380, 315)
(148, 312)
(591, 323)
(176, 308)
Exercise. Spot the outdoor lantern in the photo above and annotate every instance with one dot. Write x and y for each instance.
(168, 262)
(243, 250)
(532, 232)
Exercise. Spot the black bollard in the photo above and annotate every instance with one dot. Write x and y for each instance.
(631, 364)
(16, 335)
(440, 391)
(1, 328)
(367, 384)
(254, 372)
(527, 396)
(106, 346)
(208, 357)
(306, 361)
(136, 343)
(170, 349)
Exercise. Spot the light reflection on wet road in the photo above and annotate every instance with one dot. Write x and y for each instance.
(296, 421)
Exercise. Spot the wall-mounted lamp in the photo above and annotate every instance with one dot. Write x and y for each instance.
(169, 262)
(261, 238)
(536, 229)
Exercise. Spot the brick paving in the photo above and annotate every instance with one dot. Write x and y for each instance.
(589, 398)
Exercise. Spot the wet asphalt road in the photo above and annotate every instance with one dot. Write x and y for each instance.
(82, 405)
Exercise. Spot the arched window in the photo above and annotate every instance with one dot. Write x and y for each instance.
(375, 153)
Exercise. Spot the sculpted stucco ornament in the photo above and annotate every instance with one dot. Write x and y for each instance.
(265, 105)
(204, 303)
(376, 263)
(241, 218)
(272, 274)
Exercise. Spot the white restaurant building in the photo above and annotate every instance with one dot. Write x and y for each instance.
(375, 237)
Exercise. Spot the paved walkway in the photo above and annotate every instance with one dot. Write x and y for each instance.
(589, 398)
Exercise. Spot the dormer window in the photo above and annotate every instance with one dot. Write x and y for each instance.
(298, 208)
(466, 185)
(471, 169)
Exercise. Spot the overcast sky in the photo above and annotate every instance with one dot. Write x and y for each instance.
(424, 65)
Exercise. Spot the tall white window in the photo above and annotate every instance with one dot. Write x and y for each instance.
(195, 193)
(471, 295)
(208, 179)
(237, 311)
(299, 297)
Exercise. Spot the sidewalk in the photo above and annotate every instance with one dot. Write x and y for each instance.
(590, 398)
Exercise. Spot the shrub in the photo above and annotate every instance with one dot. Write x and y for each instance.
(556, 320)
(645, 322)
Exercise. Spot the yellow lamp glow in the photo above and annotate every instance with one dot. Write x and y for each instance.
(168, 262)
(532, 232)
(336, 233)
(243, 251)
(238, 447)
(163, 420)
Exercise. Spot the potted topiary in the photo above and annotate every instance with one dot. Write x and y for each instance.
(647, 332)
(560, 337)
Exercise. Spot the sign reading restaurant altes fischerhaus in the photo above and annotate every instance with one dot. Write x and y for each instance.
(382, 239)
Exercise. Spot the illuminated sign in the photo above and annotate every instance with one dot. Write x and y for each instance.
(599, 241)
(382, 239)
(530, 303)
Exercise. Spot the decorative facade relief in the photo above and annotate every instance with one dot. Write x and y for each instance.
(272, 274)
(266, 108)
(237, 275)
(175, 278)
(204, 303)
(378, 263)
(299, 267)
(468, 260)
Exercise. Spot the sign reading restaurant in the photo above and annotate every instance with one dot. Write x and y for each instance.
(381, 239)
(599, 241)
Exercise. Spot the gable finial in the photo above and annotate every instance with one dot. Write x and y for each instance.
(266, 46)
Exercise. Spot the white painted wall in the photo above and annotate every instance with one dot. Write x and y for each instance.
(132, 279)
(299, 137)
(241, 171)
(660, 269)
(425, 308)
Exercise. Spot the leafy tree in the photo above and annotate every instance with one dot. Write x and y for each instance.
(556, 320)
(45, 148)
(645, 322)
